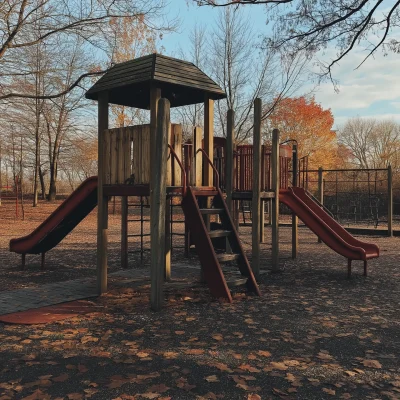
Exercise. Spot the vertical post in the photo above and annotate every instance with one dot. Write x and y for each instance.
(167, 270)
(155, 95)
(158, 204)
(262, 221)
(208, 138)
(102, 201)
(390, 201)
(275, 200)
(197, 179)
(320, 190)
(230, 135)
(124, 232)
(256, 200)
(295, 219)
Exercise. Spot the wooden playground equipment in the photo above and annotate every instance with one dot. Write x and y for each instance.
(150, 161)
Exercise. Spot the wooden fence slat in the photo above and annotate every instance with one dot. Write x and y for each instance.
(177, 145)
(113, 157)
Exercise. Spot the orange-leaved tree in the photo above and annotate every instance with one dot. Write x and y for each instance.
(304, 120)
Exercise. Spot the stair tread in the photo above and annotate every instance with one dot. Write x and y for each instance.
(225, 257)
(219, 233)
(233, 282)
(211, 210)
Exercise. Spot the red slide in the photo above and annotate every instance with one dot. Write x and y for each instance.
(61, 222)
(325, 227)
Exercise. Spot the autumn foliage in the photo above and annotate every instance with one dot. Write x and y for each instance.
(304, 120)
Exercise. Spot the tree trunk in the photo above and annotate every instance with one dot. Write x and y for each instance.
(53, 186)
(43, 188)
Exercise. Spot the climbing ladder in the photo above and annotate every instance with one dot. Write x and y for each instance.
(197, 210)
(211, 259)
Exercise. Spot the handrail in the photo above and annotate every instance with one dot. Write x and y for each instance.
(326, 209)
(212, 165)
(183, 173)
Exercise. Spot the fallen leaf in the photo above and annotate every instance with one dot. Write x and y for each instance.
(278, 365)
(329, 391)
(264, 353)
(212, 378)
(372, 363)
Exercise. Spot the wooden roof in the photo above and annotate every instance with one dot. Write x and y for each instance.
(181, 82)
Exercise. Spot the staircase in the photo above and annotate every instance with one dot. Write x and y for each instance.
(214, 262)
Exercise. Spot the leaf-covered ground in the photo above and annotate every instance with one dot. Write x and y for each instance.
(312, 335)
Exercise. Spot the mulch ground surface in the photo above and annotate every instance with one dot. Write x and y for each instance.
(313, 334)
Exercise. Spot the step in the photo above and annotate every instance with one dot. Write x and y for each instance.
(234, 282)
(217, 233)
(225, 257)
(204, 191)
(211, 211)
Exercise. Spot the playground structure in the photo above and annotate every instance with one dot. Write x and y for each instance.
(148, 160)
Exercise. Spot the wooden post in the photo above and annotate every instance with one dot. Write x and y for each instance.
(23, 261)
(102, 207)
(167, 271)
(262, 221)
(295, 219)
(230, 137)
(256, 200)
(155, 95)
(275, 200)
(208, 139)
(197, 177)
(158, 204)
(124, 232)
(390, 201)
(320, 190)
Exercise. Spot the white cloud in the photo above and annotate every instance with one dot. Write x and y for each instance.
(375, 81)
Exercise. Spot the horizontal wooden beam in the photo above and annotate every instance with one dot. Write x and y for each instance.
(249, 195)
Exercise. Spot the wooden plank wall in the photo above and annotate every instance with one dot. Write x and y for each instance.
(127, 155)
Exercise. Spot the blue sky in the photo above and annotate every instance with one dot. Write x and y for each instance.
(373, 91)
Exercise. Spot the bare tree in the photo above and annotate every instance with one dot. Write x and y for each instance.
(313, 25)
(246, 71)
(373, 143)
(28, 23)
(198, 54)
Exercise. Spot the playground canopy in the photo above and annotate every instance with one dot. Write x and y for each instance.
(181, 82)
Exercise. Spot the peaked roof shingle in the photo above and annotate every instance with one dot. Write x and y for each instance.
(181, 82)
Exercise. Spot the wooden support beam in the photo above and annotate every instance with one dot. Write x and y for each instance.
(155, 95)
(102, 205)
(275, 200)
(230, 137)
(23, 261)
(390, 201)
(262, 221)
(158, 204)
(197, 177)
(124, 232)
(167, 271)
(256, 200)
(295, 219)
(208, 139)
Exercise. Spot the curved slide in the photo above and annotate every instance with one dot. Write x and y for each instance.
(325, 227)
(61, 222)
